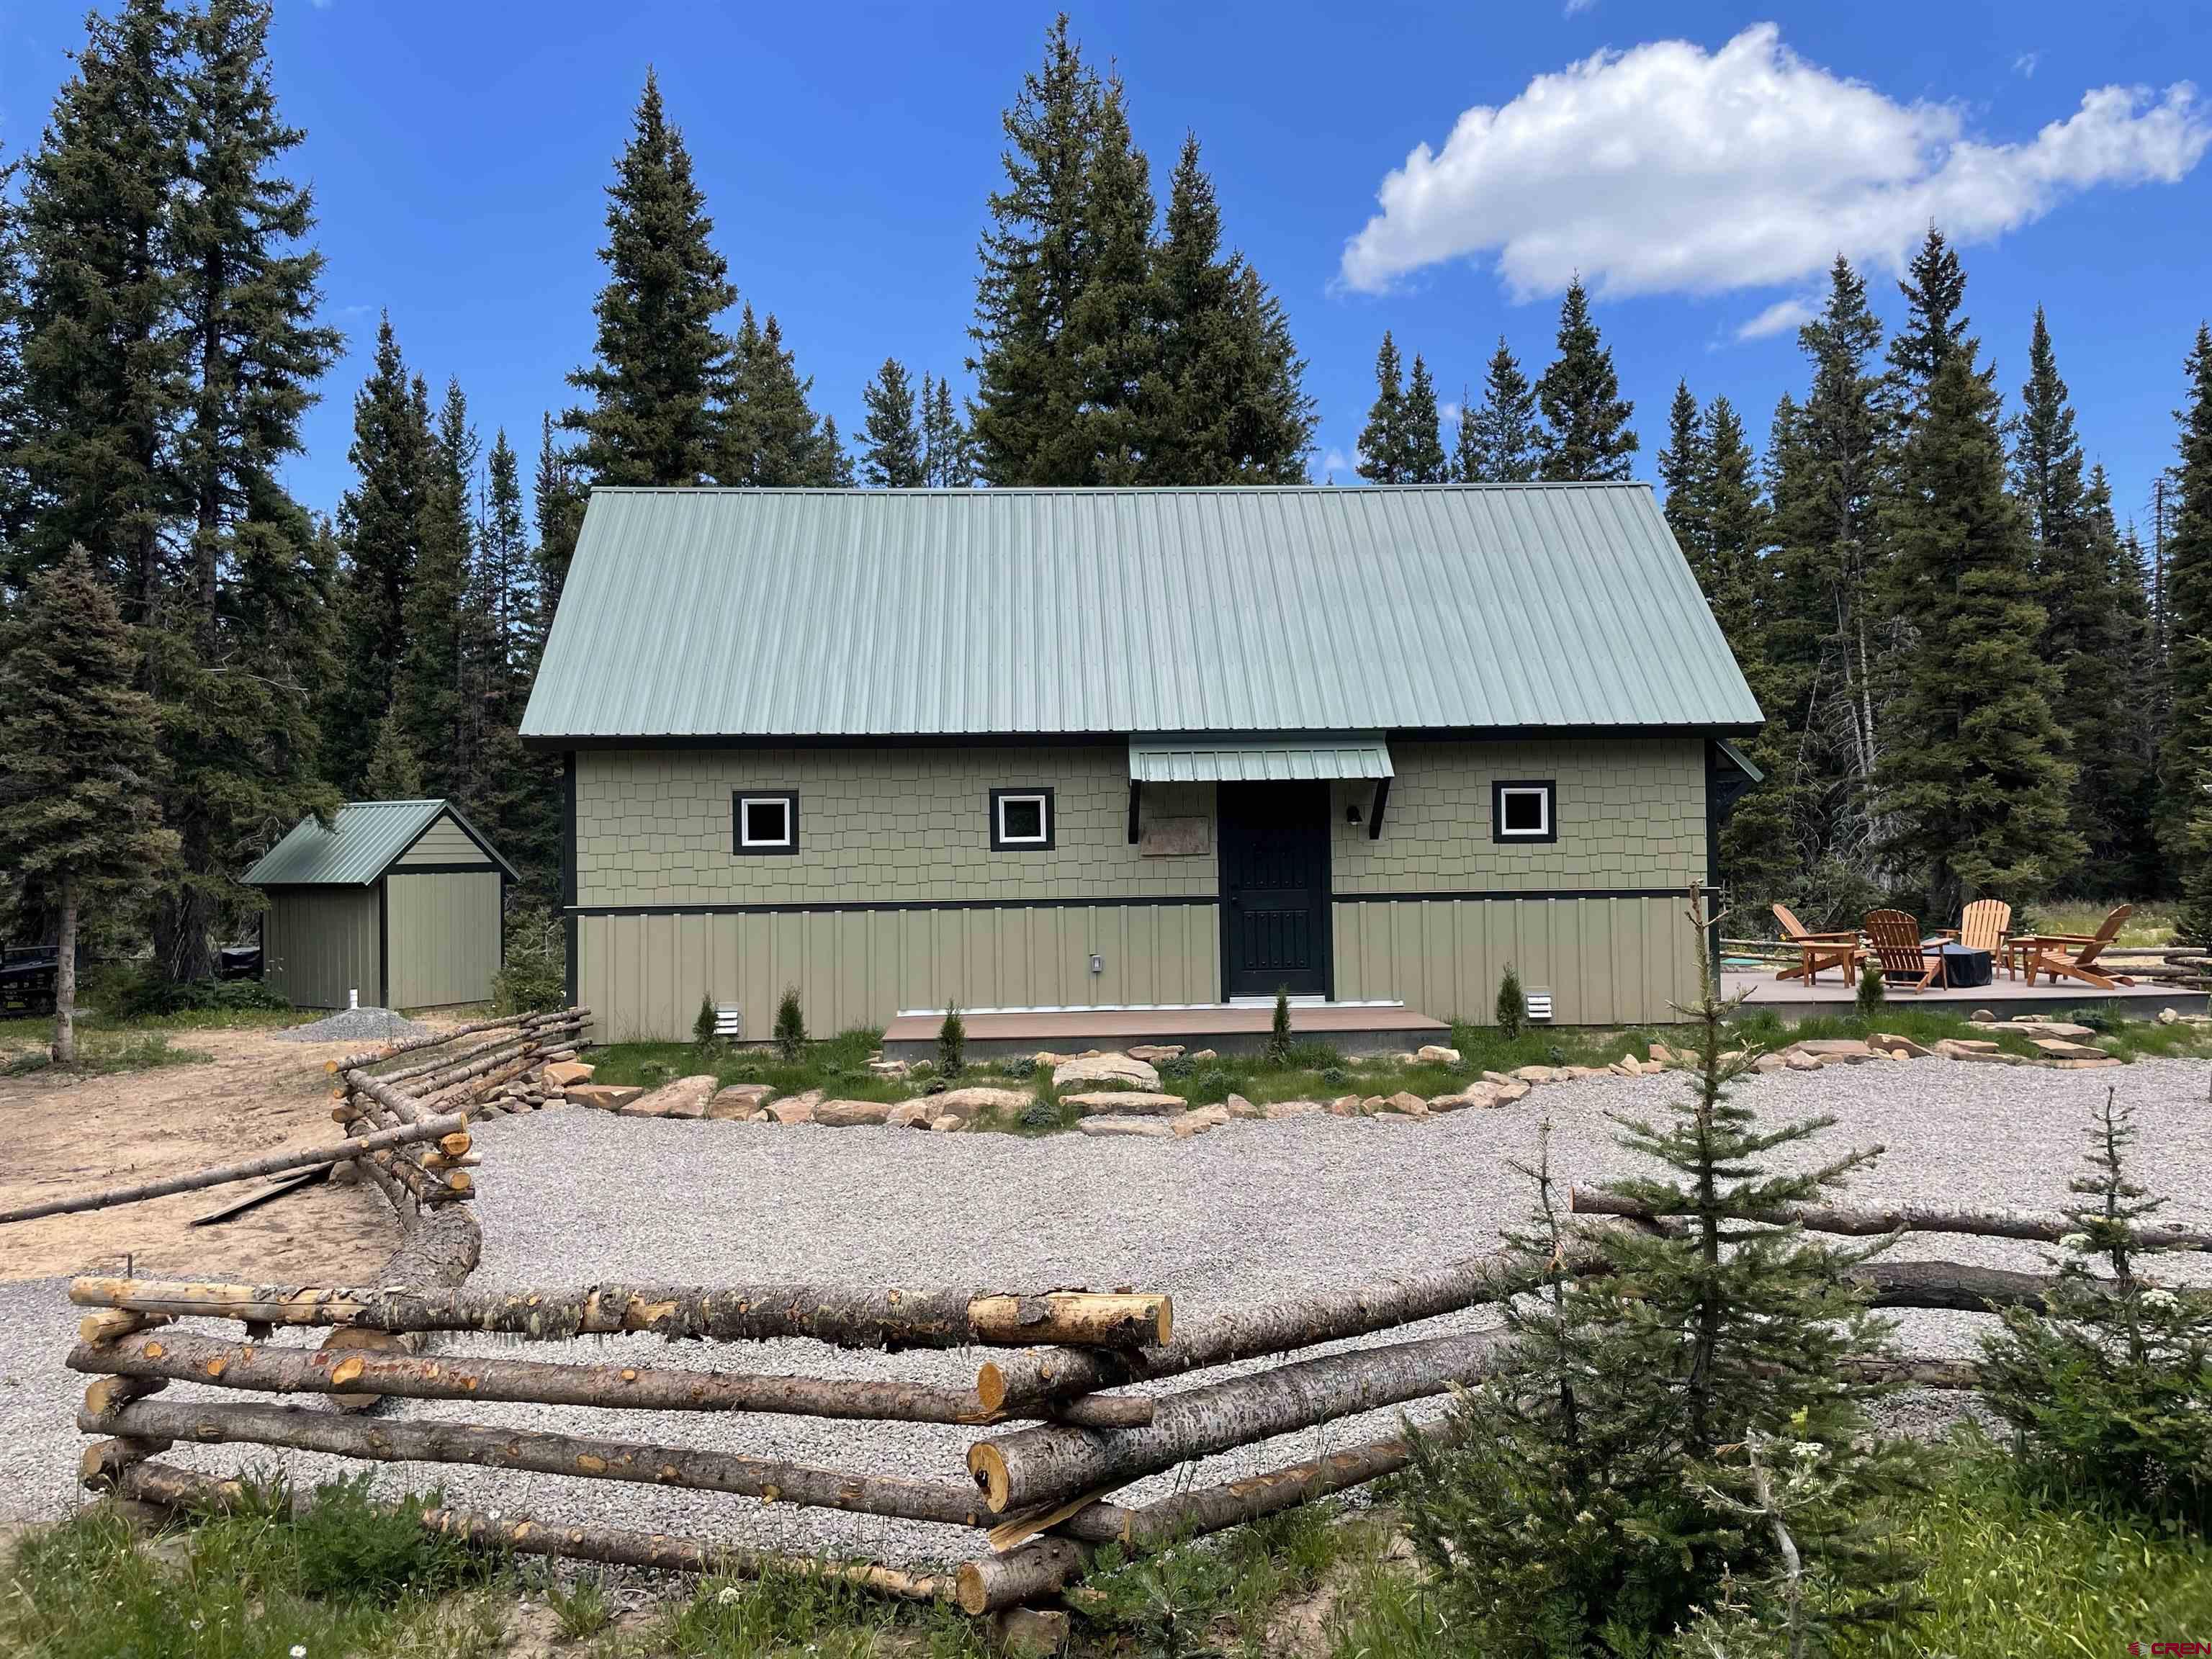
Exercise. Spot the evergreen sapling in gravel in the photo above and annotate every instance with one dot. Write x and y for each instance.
(790, 1027)
(1512, 1004)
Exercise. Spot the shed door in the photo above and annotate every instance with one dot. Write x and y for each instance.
(1274, 889)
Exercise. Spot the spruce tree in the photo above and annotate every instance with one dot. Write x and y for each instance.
(1587, 435)
(1502, 442)
(1029, 393)
(15, 411)
(770, 438)
(891, 450)
(2187, 761)
(104, 358)
(394, 771)
(505, 582)
(1382, 440)
(1424, 446)
(1978, 797)
(80, 813)
(832, 467)
(1935, 288)
(431, 691)
(558, 494)
(1110, 326)
(659, 361)
(1684, 466)
(380, 525)
(948, 453)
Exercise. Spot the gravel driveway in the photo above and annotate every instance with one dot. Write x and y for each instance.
(1254, 1210)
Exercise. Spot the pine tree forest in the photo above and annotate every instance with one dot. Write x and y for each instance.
(1979, 673)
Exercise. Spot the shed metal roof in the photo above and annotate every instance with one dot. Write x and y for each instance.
(1289, 758)
(364, 840)
(759, 614)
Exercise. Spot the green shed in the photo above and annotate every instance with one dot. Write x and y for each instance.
(398, 902)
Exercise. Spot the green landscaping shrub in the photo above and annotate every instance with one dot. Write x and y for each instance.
(1872, 992)
(534, 976)
(1512, 1004)
(1279, 1032)
(953, 1042)
(141, 995)
(352, 1547)
(2109, 1390)
(702, 1028)
(1176, 1068)
(1335, 1077)
(1210, 1084)
(790, 1027)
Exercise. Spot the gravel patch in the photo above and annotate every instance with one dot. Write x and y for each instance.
(1254, 1210)
(356, 1026)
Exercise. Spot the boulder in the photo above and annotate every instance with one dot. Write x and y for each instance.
(976, 1099)
(891, 1068)
(1435, 1054)
(1848, 1051)
(795, 1108)
(2060, 1048)
(913, 1114)
(560, 1073)
(2167, 1017)
(946, 1125)
(739, 1101)
(1768, 1062)
(1538, 1074)
(1126, 1103)
(606, 1097)
(1475, 1094)
(1662, 1055)
(1969, 1045)
(1510, 1092)
(2028, 1025)
(1628, 1066)
(1798, 1061)
(1238, 1106)
(1044, 1060)
(1198, 1121)
(1982, 1017)
(1121, 1069)
(1291, 1108)
(1900, 1047)
(1986, 1053)
(1345, 1106)
(1154, 1053)
(1202, 1055)
(685, 1098)
(853, 1113)
(1145, 1129)
(1496, 1077)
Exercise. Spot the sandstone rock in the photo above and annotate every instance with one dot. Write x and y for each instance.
(1403, 1057)
(1371, 1105)
(1768, 1063)
(1798, 1061)
(2167, 1017)
(739, 1101)
(685, 1098)
(1496, 1077)
(891, 1068)
(946, 1125)
(1291, 1108)
(852, 1113)
(1345, 1106)
(1966, 1045)
(1848, 1050)
(1154, 1053)
(605, 1096)
(1982, 1017)
(1407, 1102)
(1198, 1121)
(913, 1114)
(1660, 1054)
(1106, 1068)
(1475, 1094)
(971, 1101)
(1044, 1060)
(1200, 1056)
(560, 1073)
(1143, 1128)
(1627, 1066)
(1538, 1074)
(1131, 1102)
(2028, 1025)
(1510, 1092)
(1435, 1054)
(760, 1117)
(1971, 1049)
(1902, 1047)
(2060, 1048)
(1576, 1073)
(795, 1108)
(1240, 1107)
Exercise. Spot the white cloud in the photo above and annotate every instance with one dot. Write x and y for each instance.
(1576, 7)
(1337, 461)
(2024, 65)
(1670, 169)
(1788, 313)
(1447, 413)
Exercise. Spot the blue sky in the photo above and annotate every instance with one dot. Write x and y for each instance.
(459, 152)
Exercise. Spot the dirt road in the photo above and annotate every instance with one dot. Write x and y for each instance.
(59, 1137)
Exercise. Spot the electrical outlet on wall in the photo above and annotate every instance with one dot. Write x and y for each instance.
(1097, 963)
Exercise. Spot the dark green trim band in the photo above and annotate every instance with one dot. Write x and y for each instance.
(446, 870)
(883, 905)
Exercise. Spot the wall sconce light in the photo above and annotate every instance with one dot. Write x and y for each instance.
(1351, 813)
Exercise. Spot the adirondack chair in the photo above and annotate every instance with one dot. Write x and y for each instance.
(1986, 925)
(1894, 939)
(2074, 954)
(1817, 950)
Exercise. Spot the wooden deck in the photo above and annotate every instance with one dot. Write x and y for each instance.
(1355, 1028)
(1793, 999)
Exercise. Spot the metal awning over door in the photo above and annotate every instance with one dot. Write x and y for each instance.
(1283, 758)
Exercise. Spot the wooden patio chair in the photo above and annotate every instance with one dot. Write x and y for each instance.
(1895, 942)
(1986, 925)
(2074, 956)
(1817, 950)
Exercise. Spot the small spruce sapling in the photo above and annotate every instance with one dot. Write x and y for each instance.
(951, 1043)
(790, 1027)
(1872, 993)
(702, 1028)
(1512, 1005)
(1278, 1033)
(2108, 1388)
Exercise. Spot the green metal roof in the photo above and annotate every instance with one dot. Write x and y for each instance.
(1289, 758)
(736, 613)
(364, 840)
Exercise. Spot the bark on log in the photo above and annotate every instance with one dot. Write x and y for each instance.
(1015, 1382)
(1211, 1508)
(484, 1073)
(422, 1441)
(441, 1249)
(103, 1463)
(923, 1318)
(1034, 1468)
(105, 1393)
(272, 1164)
(1856, 1223)
(438, 1040)
(1951, 1285)
(1038, 1568)
(536, 1038)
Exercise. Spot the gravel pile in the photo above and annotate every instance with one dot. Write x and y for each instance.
(1254, 1210)
(356, 1026)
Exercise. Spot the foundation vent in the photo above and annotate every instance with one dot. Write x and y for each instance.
(1540, 1004)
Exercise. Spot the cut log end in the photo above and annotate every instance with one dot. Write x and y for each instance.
(991, 1386)
(1117, 1319)
(989, 1469)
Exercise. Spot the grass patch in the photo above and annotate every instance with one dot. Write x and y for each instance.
(24, 1046)
(791, 1612)
(2151, 925)
(837, 1064)
(2129, 1039)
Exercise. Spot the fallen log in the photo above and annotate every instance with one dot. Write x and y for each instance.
(1856, 1223)
(925, 1318)
(271, 1164)
(1211, 1508)
(1038, 1568)
(440, 1247)
(1013, 1383)
(1034, 1468)
(420, 1441)
(170, 1488)
(192, 1357)
(1950, 1285)
(498, 1048)
(438, 1039)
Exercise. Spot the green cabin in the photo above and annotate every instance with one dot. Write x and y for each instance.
(398, 902)
(1082, 749)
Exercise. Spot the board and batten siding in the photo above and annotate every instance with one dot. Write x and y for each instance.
(894, 898)
(319, 943)
(443, 932)
(443, 842)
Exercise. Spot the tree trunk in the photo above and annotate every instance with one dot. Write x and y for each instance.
(1035, 1468)
(1015, 1382)
(66, 978)
(844, 1317)
(273, 1164)
(1912, 1218)
(411, 1441)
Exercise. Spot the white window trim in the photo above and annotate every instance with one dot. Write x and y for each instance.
(745, 804)
(1043, 836)
(1543, 794)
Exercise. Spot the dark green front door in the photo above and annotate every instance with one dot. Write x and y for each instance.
(1274, 889)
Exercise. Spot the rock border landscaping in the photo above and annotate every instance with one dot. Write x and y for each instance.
(1119, 1092)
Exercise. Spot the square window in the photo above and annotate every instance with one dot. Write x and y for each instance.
(1021, 820)
(766, 822)
(1523, 810)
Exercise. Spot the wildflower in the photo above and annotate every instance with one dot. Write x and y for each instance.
(727, 1595)
(2075, 1242)
(2157, 1299)
(299, 1650)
